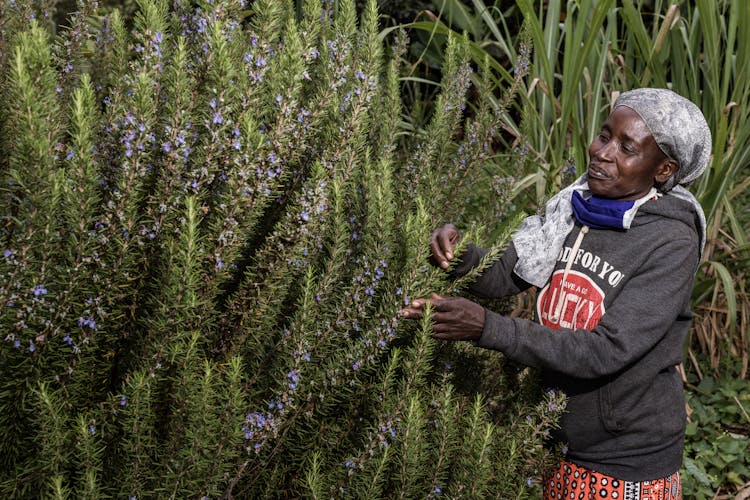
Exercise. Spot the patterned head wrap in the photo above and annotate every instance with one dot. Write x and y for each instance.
(679, 128)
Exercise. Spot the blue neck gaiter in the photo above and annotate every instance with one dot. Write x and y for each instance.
(600, 213)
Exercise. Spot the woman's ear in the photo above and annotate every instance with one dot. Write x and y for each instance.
(665, 171)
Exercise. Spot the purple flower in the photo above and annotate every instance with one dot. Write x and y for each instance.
(88, 321)
(7, 253)
(123, 400)
(293, 377)
(39, 290)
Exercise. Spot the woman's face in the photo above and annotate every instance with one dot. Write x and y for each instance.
(624, 160)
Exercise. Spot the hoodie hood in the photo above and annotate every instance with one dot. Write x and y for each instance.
(539, 239)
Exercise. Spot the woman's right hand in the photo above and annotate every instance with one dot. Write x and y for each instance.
(442, 242)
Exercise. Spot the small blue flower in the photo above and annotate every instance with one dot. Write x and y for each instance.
(39, 290)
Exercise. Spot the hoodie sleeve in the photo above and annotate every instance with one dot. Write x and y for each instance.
(644, 312)
(497, 281)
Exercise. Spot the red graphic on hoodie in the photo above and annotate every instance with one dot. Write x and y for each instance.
(578, 304)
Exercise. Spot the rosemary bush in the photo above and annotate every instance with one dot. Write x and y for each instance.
(210, 220)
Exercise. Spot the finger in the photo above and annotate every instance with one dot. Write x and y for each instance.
(440, 303)
(447, 239)
(410, 313)
(443, 336)
(418, 303)
(442, 328)
(437, 251)
(442, 243)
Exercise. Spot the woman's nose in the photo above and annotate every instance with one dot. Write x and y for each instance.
(606, 151)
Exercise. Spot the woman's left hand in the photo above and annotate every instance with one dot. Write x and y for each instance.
(453, 318)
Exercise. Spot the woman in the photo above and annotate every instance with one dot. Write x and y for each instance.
(614, 259)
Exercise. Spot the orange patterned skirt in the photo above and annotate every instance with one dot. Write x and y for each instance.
(574, 482)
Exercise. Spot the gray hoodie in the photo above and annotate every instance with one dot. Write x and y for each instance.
(610, 326)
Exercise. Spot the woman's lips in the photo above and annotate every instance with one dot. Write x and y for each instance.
(597, 173)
